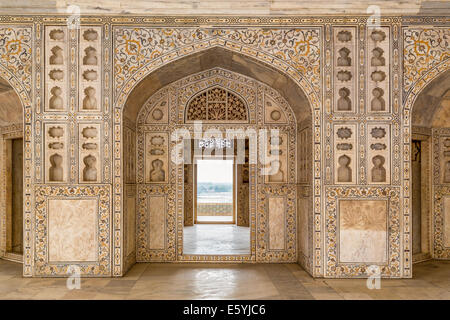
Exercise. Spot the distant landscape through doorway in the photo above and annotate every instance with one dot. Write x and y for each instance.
(215, 191)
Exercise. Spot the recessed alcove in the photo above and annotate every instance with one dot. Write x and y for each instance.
(159, 105)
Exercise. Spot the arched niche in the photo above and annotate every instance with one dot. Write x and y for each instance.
(151, 86)
(430, 170)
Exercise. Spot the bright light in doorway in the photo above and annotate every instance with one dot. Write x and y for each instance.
(219, 171)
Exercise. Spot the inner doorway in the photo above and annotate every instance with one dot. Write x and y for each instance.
(215, 191)
(217, 226)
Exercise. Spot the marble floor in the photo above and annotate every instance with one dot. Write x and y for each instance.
(220, 239)
(214, 218)
(224, 281)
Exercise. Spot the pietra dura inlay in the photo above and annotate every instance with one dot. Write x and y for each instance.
(131, 78)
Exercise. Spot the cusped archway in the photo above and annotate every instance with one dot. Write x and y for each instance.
(149, 92)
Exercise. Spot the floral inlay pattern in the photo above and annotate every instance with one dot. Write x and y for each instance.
(216, 104)
(15, 53)
(423, 50)
(137, 47)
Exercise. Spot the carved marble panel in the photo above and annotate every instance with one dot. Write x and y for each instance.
(129, 154)
(217, 104)
(304, 155)
(90, 69)
(345, 154)
(156, 216)
(243, 202)
(55, 150)
(159, 111)
(363, 231)
(277, 229)
(156, 157)
(75, 223)
(354, 215)
(345, 62)
(273, 113)
(302, 216)
(276, 157)
(275, 201)
(90, 155)
(188, 204)
(72, 225)
(157, 222)
(379, 153)
(443, 152)
(57, 63)
(378, 70)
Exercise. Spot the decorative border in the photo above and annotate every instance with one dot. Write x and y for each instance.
(263, 252)
(42, 193)
(24, 92)
(129, 257)
(143, 252)
(349, 270)
(440, 251)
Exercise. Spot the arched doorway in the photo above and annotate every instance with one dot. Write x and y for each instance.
(11, 168)
(163, 88)
(430, 171)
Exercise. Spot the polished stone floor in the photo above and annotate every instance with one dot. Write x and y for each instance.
(224, 281)
(214, 218)
(218, 239)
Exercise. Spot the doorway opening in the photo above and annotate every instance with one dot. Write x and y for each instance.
(217, 221)
(215, 191)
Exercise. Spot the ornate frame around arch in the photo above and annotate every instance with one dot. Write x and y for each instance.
(277, 60)
(25, 100)
(437, 214)
(178, 94)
